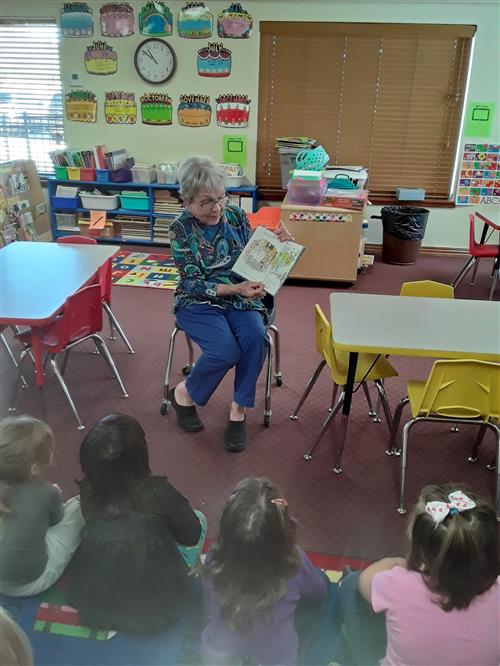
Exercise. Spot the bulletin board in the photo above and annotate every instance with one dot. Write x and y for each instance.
(23, 208)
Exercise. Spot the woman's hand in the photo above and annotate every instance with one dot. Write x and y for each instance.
(247, 289)
(283, 234)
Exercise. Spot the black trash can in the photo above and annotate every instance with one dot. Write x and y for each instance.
(404, 229)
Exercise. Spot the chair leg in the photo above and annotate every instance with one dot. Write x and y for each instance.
(379, 384)
(18, 382)
(103, 349)
(404, 456)
(469, 264)
(168, 370)
(269, 380)
(295, 414)
(65, 361)
(368, 400)
(474, 272)
(62, 383)
(335, 390)
(277, 355)
(9, 351)
(392, 450)
(189, 343)
(112, 335)
(494, 281)
(479, 440)
(324, 427)
(116, 324)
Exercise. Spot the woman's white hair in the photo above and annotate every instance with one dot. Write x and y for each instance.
(199, 173)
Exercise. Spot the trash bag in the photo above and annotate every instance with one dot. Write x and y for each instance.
(404, 222)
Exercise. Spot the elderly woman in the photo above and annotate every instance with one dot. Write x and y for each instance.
(220, 311)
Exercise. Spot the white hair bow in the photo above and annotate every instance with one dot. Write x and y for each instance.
(458, 502)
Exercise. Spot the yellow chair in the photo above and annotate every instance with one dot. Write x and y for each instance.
(370, 368)
(456, 391)
(427, 289)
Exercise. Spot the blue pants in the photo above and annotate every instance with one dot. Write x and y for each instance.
(227, 338)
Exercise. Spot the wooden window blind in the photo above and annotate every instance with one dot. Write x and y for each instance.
(385, 96)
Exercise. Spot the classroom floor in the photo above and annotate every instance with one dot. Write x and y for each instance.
(352, 514)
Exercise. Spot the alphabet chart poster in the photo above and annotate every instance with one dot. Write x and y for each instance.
(479, 180)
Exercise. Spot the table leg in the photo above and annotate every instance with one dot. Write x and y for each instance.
(346, 409)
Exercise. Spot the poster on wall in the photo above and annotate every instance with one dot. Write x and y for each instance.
(232, 110)
(81, 106)
(234, 149)
(156, 109)
(479, 119)
(76, 19)
(120, 108)
(100, 58)
(214, 60)
(234, 22)
(155, 18)
(117, 19)
(195, 21)
(194, 110)
(479, 178)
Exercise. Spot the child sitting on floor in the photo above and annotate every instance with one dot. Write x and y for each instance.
(38, 532)
(441, 604)
(256, 577)
(15, 649)
(131, 571)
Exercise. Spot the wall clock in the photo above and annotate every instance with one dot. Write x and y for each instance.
(154, 60)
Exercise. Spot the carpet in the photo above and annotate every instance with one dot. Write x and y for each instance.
(58, 639)
(138, 269)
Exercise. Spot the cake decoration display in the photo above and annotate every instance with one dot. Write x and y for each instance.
(117, 19)
(195, 21)
(214, 60)
(120, 108)
(194, 110)
(76, 19)
(101, 58)
(81, 106)
(156, 109)
(155, 18)
(232, 110)
(234, 22)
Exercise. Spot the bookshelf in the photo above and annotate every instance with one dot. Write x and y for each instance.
(127, 226)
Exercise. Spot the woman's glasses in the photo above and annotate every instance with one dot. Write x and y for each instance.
(208, 204)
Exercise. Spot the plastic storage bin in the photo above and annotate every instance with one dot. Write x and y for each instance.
(65, 202)
(61, 172)
(134, 201)
(87, 174)
(74, 173)
(307, 192)
(111, 230)
(100, 201)
(66, 220)
(142, 174)
(102, 175)
(167, 177)
(123, 174)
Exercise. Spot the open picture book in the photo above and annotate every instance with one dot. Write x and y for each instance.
(266, 259)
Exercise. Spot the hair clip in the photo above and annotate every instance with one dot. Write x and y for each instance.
(458, 502)
(280, 501)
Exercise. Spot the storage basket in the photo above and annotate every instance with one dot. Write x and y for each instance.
(61, 172)
(100, 201)
(74, 173)
(306, 191)
(66, 220)
(87, 174)
(123, 174)
(102, 175)
(166, 177)
(64, 202)
(134, 201)
(313, 160)
(142, 174)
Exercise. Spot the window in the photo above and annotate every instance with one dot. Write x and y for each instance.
(31, 114)
(385, 96)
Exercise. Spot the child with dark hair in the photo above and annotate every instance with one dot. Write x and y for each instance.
(441, 604)
(256, 577)
(131, 570)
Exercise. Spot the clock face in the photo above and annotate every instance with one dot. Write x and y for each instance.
(154, 60)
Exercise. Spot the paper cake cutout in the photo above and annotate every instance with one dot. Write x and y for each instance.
(156, 109)
(81, 106)
(76, 19)
(234, 22)
(232, 110)
(214, 60)
(117, 19)
(194, 110)
(120, 108)
(155, 18)
(195, 21)
(101, 58)
(479, 179)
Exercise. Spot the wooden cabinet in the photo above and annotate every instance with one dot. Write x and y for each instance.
(331, 237)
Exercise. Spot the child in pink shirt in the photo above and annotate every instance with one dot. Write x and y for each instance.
(441, 604)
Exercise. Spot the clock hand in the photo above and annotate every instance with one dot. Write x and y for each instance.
(151, 56)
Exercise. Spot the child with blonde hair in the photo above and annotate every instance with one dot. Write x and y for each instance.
(38, 532)
(441, 603)
(15, 649)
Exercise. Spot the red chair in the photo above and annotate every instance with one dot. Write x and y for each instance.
(104, 275)
(480, 251)
(80, 319)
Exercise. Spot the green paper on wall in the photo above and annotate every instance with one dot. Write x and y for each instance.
(234, 150)
(479, 119)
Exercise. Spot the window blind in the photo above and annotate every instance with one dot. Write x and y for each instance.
(385, 96)
(31, 112)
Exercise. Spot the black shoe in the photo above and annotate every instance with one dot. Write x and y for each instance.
(235, 436)
(187, 417)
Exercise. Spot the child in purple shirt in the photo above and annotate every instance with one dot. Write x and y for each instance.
(256, 576)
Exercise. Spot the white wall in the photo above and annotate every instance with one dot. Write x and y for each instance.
(448, 227)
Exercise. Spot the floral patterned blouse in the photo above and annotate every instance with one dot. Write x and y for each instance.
(204, 255)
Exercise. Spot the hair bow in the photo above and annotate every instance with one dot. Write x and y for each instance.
(458, 502)
(279, 501)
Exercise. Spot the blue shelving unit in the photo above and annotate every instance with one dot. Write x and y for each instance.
(249, 191)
